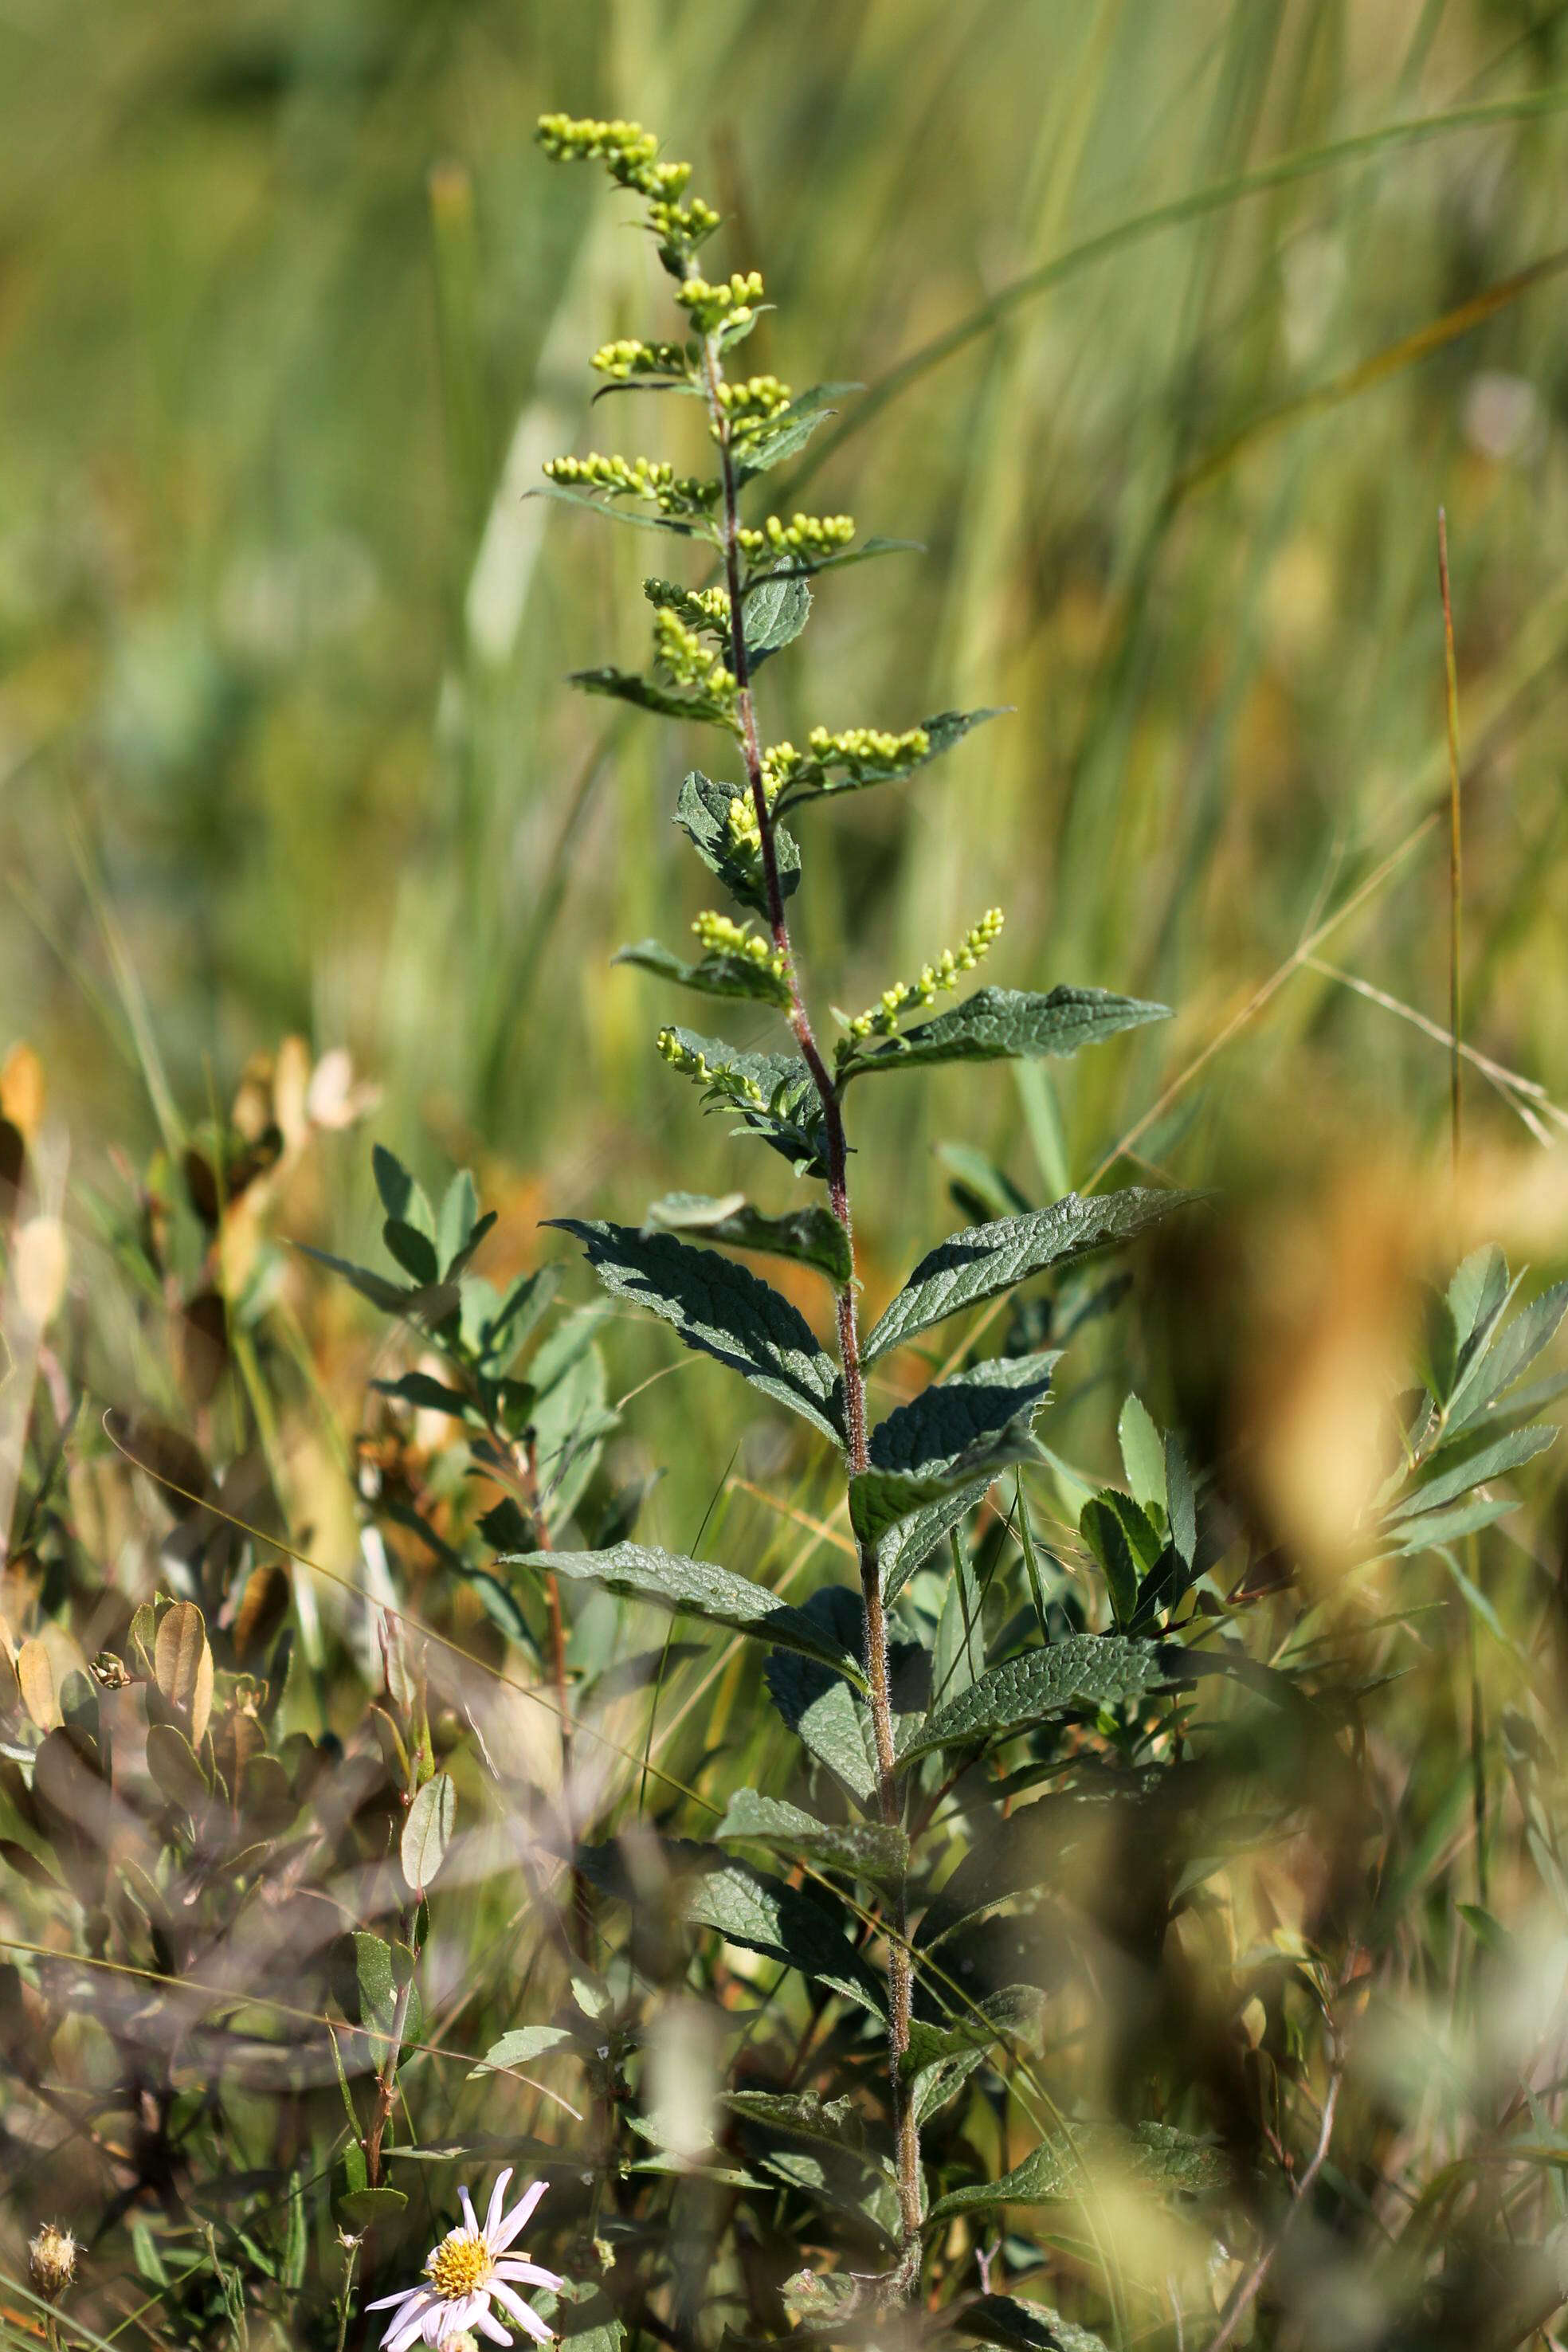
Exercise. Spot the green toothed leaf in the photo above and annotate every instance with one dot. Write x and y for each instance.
(811, 1236)
(716, 973)
(1083, 1670)
(829, 779)
(1005, 1024)
(985, 1260)
(764, 1916)
(721, 1309)
(702, 812)
(695, 1588)
(867, 1848)
(791, 429)
(951, 1434)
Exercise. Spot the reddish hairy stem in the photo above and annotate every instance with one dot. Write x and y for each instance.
(889, 1797)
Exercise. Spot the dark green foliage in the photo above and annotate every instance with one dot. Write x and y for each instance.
(999, 1025)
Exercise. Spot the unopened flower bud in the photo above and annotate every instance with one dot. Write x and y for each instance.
(52, 2262)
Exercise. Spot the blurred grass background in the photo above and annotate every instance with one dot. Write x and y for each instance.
(290, 309)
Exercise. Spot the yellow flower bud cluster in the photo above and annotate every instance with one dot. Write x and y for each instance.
(727, 305)
(701, 608)
(692, 1064)
(689, 662)
(628, 153)
(868, 747)
(637, 477)
(719, 935)
(781, 764)
(804, 534)
(751, 406)
(882, 1019)
(628, 358)
(681, 227)
(744, 830)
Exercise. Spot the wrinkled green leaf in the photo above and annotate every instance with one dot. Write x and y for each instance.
(648, 694)
(695, 1588)
(821, 1710)
(790, 1118)
(791, 429)
(1015, 2326)
(714, 975)
(906, 1546)
(947, 1437)
(804, 2113)
(987, 1259)
(812, 1236)
(684, 526)
(721, 1309)
(1083, 1670)
(1005, 1023)
(1153, 2155)
(766, 1916)
(702, 812)
(867, 1848)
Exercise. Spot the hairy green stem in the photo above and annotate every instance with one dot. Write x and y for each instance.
(906, 2130)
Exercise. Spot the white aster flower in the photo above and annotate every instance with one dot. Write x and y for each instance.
(470, 2269)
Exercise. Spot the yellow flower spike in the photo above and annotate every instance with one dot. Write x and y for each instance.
(882, 1018)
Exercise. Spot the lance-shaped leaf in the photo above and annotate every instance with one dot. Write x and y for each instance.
(1083, 1670)
(648, 694)
(791, 429)
(721, 1309)
(1495, 1367)
(812, 1236)
(1155, 2156)
(818, 779)
(985, 1260)
(947, 1438)
(716, 973)
(998, 1024)
(702, 812)
(766, 1916)
(1470, 1462)
(804, 2113)
(776, 608)
(868, 1849)
(695, 1588)
(789, 1116)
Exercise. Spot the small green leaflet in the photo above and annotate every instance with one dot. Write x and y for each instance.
(1153, 2155)
(427, 1830)
(819, 780)
(867, 1849)
(1495, 1367)
(985, 1260)
(522, 2047)
(1143, 1454)
(721, 1309)
(766, 1916)
(812, 1236)
(777, 607)
(1084, 1670)
(716, 973)
(702, 812)
(1005, 1024)
(947, 1437)
(695, 1588)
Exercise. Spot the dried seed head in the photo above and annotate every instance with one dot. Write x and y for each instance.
(51, 2260)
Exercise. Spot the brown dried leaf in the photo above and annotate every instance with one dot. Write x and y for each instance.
(36, 1677)
(183, 1662)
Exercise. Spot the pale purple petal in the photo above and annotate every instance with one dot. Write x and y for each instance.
(529, 2274)
(466, 2203)
(404, 2294)
(406, 2328)
(488, 2325)
(497, 2200)
(535, 2327)
(507, 2299)
(516, 2219)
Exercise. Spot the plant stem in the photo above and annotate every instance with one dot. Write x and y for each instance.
(386, 2085)
(906, 2131)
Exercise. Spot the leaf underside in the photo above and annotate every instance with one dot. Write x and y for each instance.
(696, 1588)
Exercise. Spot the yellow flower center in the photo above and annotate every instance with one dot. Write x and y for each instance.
(459, 2265)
